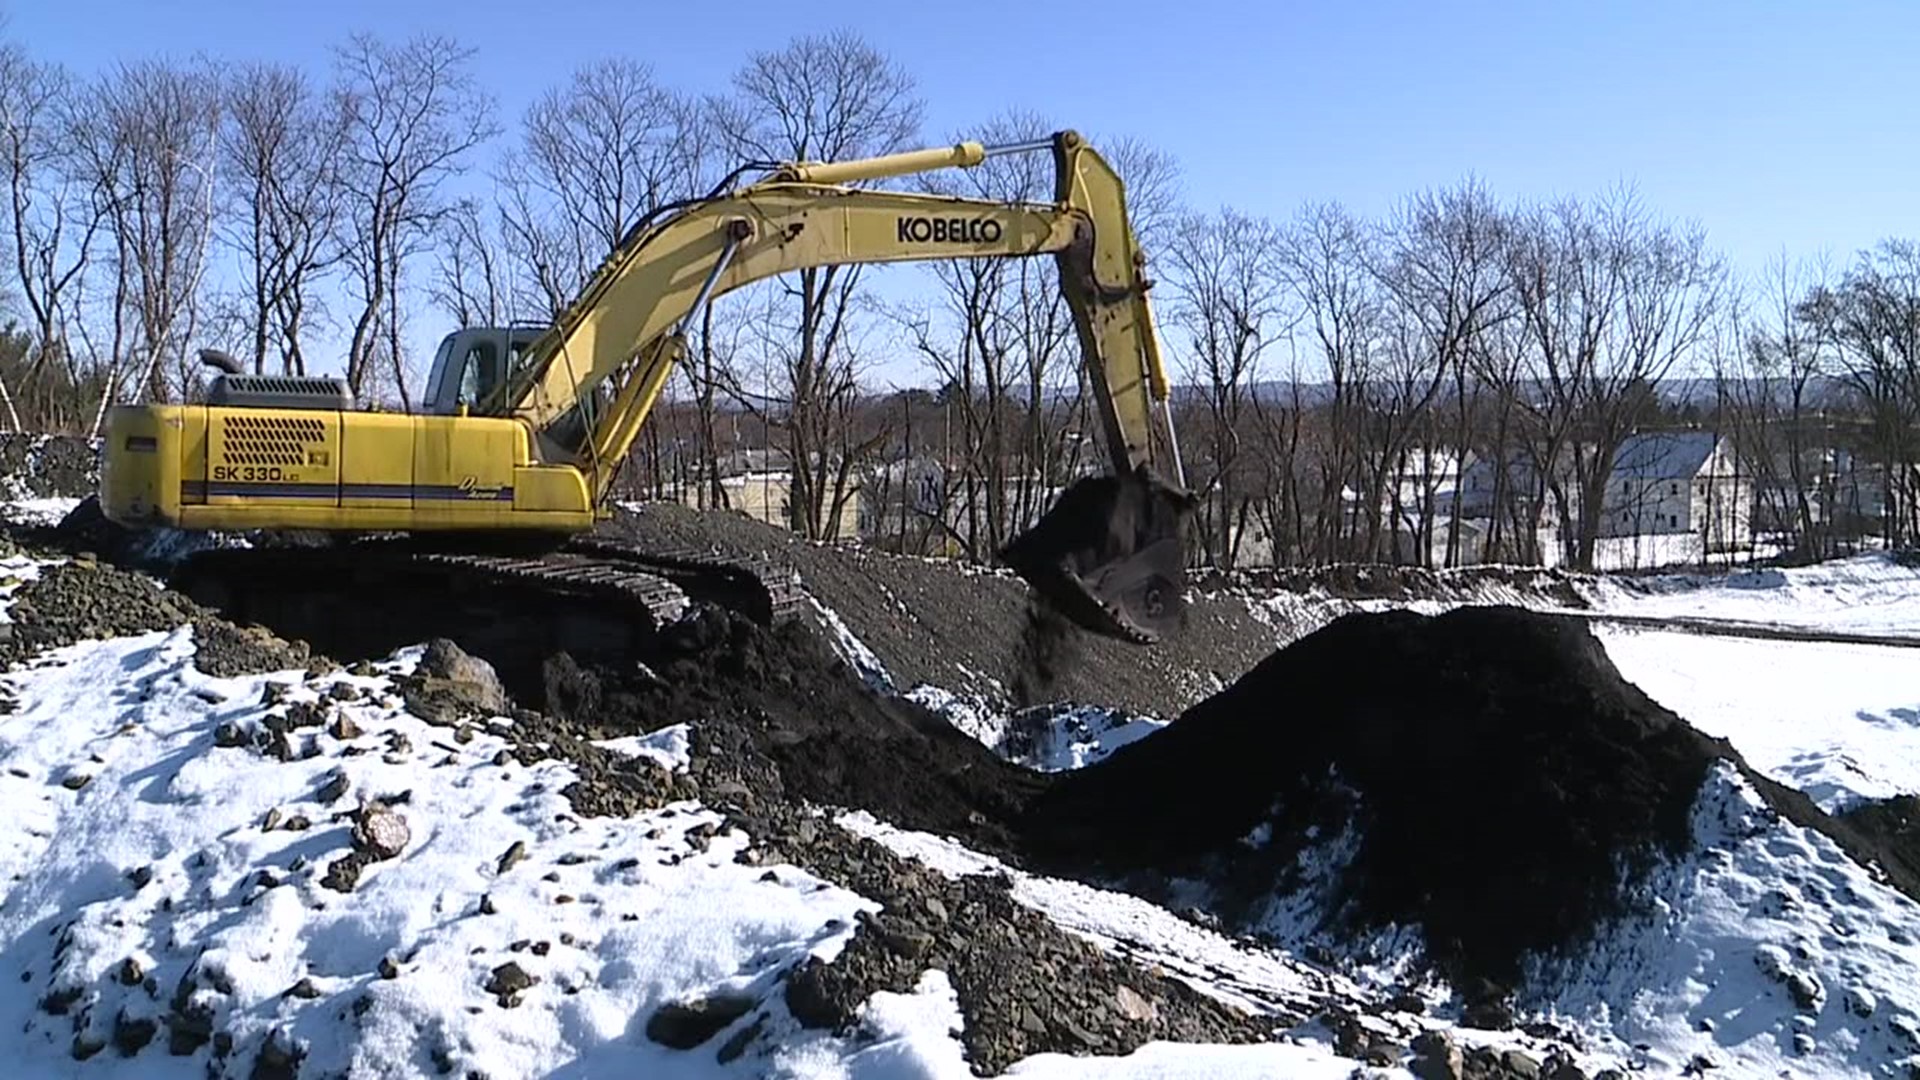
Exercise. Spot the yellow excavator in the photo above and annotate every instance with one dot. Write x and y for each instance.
(522, 429)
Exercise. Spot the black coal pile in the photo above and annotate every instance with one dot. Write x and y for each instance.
(1493, 763)
(776, 714)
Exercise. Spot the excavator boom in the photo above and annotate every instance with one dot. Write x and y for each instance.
(527, 429)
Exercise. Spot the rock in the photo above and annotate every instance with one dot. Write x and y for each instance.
(1487, 1016)
(334, 788)
(1860, 1001)
(1561, 1067)
(131, 1035)
(279, 1058)
(508, 979)
(451, 685)
(516, 852)
(226, 650)
(131, 972)
(1520, 1066)
(380, 832)
(1407, 1001)
(343, 873)
(303, 989)
(1133, 1006)
(685, 1025)
(1437, 1057)
(344, 729)
(1806, 991)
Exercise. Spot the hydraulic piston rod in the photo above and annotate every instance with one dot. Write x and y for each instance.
(963, 155)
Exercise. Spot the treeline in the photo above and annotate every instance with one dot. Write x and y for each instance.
(164, 205)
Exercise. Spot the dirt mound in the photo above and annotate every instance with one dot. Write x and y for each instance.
(39, 466)
(86, 600)
(776, 714)
(959, 626)
(1491, 762)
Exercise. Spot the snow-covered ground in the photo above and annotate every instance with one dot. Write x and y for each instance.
(140, 853)
(1767, 953)
(1864, 594)
(1838, 721)
(112, 769)
(29, 510)
(164, 876)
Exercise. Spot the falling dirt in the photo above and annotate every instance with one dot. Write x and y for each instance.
(1049, 646)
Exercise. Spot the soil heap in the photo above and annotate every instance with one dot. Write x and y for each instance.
(1491, 761)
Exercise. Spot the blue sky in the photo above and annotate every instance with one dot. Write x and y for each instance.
(1779, 126)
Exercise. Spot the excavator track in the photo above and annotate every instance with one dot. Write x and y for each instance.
(588, 597)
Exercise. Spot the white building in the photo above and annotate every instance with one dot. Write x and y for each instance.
(1678, 484)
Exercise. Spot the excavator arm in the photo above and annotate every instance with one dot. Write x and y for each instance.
(637, 305)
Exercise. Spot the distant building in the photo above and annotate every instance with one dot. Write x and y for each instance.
(1678, 484)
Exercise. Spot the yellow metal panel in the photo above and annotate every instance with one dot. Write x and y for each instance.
(377, 465)
(463, 470)
(273, 457)
(140, 469)
(552, 488)
(189, 424)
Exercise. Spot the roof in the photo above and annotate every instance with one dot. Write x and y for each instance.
(1663, 455)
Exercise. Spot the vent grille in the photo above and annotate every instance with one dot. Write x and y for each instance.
(276, 384)
(270, 440)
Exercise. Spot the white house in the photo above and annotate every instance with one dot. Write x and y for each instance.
(1678, 484)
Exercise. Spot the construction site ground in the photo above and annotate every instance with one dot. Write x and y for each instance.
(1337, 827)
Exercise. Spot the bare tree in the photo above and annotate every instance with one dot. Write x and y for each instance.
(51, 224)
(472, 282)
(283, 143)
(1871, 319)
(413, 116)
(1612, 300)
(1229, 307)
(822, 97)
(596, 155)
(149, 136)
(1766, 373)
(1323, 254)
(1442, 267)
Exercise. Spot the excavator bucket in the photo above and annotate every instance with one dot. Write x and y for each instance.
(1110, 556)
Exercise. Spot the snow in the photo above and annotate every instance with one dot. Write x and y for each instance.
(38, 511)
(652, 918)
(1762, 906)
(195, 870)
(911, 1036)
(1873, 594)
(15, 571)
(851, 649)
(1838, 721)
(669, 747)
(1209, 961)
(1767, 952)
